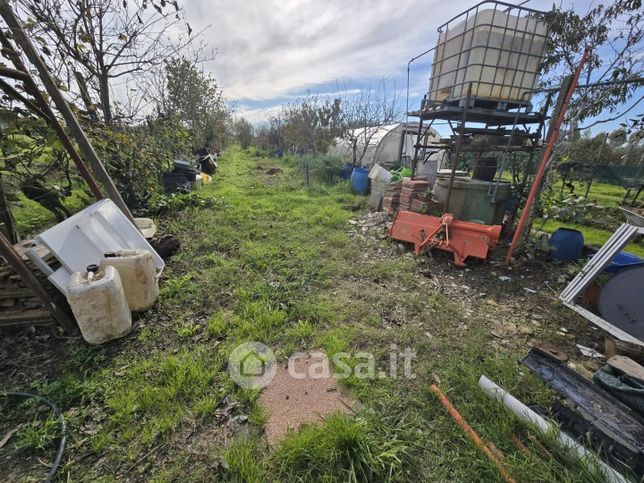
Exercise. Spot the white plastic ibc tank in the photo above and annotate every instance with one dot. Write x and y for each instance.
(99, 304)
(138, 275)
(498, 52)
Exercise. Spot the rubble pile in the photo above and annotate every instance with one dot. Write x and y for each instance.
(372, 225)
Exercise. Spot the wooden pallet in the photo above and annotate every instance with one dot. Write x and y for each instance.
(36, 316)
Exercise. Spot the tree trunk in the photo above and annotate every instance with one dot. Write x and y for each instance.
(355, 152)
(7, 222)
(104, 88)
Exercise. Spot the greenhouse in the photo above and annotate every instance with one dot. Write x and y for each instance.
(388, 145)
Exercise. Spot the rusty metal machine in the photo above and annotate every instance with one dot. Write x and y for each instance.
(462, 238)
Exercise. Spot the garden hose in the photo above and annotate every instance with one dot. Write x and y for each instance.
(63, 427)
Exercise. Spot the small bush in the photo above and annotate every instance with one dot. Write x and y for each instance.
(576, 209)
(321, 167)
(168, 204)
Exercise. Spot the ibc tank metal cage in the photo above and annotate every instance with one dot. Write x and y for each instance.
(496, 48)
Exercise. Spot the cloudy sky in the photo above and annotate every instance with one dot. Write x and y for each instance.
(273, 51)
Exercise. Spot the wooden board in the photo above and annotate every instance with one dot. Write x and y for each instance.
(627, 366)
(25, 317)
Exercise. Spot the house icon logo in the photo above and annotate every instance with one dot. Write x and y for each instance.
(252, 365)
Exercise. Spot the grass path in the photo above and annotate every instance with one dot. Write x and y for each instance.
(273, 262)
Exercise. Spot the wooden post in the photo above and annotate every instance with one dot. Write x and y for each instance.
(74, 126)
(11, 256)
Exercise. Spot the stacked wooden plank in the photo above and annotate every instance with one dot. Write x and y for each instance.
(18, 304)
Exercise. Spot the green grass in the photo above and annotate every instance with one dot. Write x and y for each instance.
(362, 448)
(32, 217)
(39, 434)
(273, 263)
(603, 193)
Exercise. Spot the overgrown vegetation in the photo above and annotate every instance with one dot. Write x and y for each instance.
(169, 108)
(275, 264)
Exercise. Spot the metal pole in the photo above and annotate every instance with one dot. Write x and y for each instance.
(74, 126)
(11, 256)
(414, 161)
(546, 157)
(457, 151)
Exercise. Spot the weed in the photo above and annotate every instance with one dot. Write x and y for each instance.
(186, 330)
(334, 341)
(244, 462)
(179, 289)
(342, 449)
(218, 324)
(39, 434)
(162, 204)
(160, 392)
(301, 333)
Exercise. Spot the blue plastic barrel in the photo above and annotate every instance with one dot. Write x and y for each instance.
(346, 171)
(566, 244)
(623, 260)
(360, 180)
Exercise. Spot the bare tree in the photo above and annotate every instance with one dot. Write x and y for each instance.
(364, 114)
(94, 44)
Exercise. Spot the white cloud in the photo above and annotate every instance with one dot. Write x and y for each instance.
(275, 48)
(257, 115)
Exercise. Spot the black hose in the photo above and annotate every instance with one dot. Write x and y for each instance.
(63, 427)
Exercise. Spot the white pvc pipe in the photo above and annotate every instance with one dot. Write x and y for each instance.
(528, 415)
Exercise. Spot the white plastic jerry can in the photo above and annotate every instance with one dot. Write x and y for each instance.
(99, 304)
(138, 276)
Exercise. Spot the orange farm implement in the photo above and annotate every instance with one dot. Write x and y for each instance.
(462, 238)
